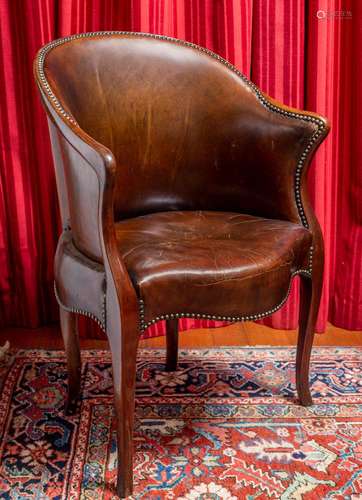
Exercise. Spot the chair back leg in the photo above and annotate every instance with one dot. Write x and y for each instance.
(172, 344)
(69, 328)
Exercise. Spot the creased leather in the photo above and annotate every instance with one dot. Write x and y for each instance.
(203, 178)
(187, 184)
(210, 262)
(175, 119)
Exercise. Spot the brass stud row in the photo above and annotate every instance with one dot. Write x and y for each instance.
(270, 106)
(248, 317)
(76, 310)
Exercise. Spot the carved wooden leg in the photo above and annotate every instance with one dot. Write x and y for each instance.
(309, 305)
(123, 343)
(172, 344)
(69, 327)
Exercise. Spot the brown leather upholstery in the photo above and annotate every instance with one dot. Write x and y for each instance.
(183, 193)
(210, 262)
(173, 117)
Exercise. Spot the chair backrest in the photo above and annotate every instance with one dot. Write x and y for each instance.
(187, 130)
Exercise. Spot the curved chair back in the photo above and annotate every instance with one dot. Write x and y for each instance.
(175, 116)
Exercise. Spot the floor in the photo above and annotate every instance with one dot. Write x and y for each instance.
(237, 334)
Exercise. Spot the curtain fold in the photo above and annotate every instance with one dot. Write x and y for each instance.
(303, 53)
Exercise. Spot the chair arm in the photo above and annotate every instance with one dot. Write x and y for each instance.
(85, 174)
(274, 151)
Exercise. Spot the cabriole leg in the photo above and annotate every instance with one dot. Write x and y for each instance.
(309, 305)
(123, 344)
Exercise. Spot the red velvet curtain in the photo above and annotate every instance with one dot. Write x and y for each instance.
(305, 53)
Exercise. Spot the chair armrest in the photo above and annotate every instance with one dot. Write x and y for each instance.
(87, 171)
(274, 152)
(288, 197)
(85, 175)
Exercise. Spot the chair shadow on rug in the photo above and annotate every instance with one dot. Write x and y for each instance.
(182, 190)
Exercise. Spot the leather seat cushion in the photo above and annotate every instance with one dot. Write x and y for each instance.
(215, 263)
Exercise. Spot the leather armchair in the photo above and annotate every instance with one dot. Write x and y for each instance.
(182, 190)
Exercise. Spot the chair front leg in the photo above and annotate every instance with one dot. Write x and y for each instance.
(172, 344)
(69, 328)
(123, 335)
(311, 289)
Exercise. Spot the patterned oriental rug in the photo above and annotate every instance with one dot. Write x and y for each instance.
(225, 426)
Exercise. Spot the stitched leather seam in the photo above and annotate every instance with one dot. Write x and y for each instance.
(248, 317)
